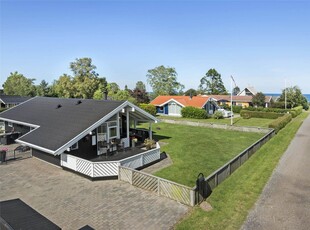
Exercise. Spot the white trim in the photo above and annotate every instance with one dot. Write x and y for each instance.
(172, 99)
(19, 122)
(36, 147)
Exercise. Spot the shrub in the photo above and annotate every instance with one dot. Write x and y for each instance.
(193, 112)
(280, 122)
(246, 114)
(262, 109)
(151, 109)
(236, 108)
(218, 115)
(297, 109)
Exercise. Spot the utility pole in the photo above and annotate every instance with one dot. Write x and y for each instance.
(285, 93)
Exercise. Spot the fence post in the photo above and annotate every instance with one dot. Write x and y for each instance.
(131, 179)
(192, 197)
(92, 169)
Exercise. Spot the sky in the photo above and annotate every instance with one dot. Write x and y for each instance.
(262, 44)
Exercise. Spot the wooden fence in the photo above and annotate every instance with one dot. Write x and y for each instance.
(162, 187)
(226, 170)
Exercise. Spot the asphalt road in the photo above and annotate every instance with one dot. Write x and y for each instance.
(285, 201)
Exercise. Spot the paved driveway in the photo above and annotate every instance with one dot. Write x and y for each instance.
(71, 201)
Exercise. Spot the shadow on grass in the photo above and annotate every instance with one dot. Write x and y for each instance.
(160, 137)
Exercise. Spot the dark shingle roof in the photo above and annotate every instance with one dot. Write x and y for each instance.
(60, 120)
(7, 99)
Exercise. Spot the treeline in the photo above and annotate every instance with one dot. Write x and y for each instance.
(85, 82)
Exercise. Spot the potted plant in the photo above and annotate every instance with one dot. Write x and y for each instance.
(149, 144)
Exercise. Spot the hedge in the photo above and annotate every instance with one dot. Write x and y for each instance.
(151, 109)
(296, 111)
(246, 114)
(262, 109)
(280, 122)
(193, 112)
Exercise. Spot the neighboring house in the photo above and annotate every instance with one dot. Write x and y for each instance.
(172, 105)
(243, 101)
(81, 134)
(247, 91)
(8, 101)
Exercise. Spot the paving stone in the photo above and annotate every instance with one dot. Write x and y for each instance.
(72, 201)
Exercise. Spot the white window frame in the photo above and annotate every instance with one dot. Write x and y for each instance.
(112, 125)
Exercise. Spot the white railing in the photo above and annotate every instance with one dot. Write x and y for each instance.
(142, 159)
(108, 168)
(89, 168)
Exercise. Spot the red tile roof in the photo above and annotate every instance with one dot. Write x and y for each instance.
(195, 101)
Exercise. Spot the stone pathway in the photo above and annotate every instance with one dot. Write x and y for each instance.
(72, 201)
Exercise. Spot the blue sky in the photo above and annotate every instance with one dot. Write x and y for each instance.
(260, 43)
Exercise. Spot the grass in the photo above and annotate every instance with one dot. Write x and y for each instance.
(196, 149)
(238, 121)
(232, 200)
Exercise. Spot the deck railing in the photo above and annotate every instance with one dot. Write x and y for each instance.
(108, 168)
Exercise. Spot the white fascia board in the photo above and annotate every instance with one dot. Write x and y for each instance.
(173, 101)
(142, 111)
(36, 147)
(19, 122)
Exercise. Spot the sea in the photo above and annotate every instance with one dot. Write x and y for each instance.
(278, 94)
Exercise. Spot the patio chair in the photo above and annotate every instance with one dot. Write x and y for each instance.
(120, 145)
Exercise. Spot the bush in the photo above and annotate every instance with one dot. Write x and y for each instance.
(193, 112)
(297, 110)
(218, 115)
(246, 114)
(280, 122)
(151, 109)
(262, 109)
(237, 109)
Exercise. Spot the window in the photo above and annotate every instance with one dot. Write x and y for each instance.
(112, 129)
(74, 146)
(160, 109)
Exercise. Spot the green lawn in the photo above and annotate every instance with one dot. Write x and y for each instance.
(232, 200)
(238, 121)
(197, 149)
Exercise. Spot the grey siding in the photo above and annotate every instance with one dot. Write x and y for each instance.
(46, 157)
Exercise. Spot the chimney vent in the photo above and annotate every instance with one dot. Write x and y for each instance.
(59, 106)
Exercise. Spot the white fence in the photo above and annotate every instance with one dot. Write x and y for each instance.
(108, 168)
(162, 187)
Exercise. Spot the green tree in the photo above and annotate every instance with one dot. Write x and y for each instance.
(191, 92)
(140, 85)
(123, 95)
(294, 97)
(259, 99)
(212, 83)
(63, 87)
(102, 89)
(85, 79)
(163, 81)
(43, 89)
(18, 84)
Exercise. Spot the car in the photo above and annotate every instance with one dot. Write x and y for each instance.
(226, 113)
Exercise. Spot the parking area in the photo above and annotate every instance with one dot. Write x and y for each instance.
(72, 201)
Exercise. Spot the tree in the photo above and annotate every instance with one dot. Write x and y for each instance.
(212, 83)
(236, 90)
(42, 89)
(163, 81)
(123, 95)
(294, 97)
(85, 80)
(259, 99)
(139, 93)
(102, 89)
(64, 86)
(191, 92)
(18, 84)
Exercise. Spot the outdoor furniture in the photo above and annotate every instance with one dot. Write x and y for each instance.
(120, 145)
